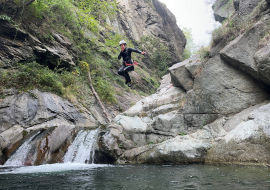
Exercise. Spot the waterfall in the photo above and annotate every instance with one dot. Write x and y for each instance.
(20, 156)
(82, 149)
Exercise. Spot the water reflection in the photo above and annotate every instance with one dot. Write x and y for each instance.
(134, 177)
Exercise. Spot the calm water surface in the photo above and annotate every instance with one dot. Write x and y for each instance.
(167, 177)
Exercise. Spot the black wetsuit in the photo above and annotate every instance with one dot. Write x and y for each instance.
(126, 54)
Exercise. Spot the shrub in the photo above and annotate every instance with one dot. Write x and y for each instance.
(204, 53)
(32, 75)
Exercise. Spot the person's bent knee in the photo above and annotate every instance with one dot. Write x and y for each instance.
(120, 72)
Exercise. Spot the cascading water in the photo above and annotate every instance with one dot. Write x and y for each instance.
(82, 149)
(20, 156)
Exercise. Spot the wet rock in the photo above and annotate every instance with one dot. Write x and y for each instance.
(11, 136)
(59, 136)
(35, 110)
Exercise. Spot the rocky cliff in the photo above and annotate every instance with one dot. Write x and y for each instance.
(151, 18)
(211, 111)
(27, 38)
(214, 110)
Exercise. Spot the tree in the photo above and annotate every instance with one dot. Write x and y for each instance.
(190, 46)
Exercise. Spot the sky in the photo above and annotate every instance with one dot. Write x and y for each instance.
(194, 14)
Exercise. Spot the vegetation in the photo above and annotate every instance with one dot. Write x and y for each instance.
(190, 46)
(158, 54)
(232, 28)
(182, 134)
(94, 42)
(203, 52)
(28, 76)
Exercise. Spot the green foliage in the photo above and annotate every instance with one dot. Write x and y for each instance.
(101, 84)
(84, 14)
(32, 75)
(231, 29)
(204, 53)
(105, 90)
(158, 54)
(182, 134)
(5, 17)
(190, 46)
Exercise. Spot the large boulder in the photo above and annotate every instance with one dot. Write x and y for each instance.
(248, 143)
(181, 149)
(221, 89)
(17, 45)
(223, 9)
(240, 52)
(36, 109)
(262, 58)
(181, 77)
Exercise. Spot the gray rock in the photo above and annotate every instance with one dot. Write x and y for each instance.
(180, 76)
(247, 144)
(262, 58)
(181, 149)
(62, 40)
(246, 7)
(59, 136)
(37, 109)
(223, 9)
(240, 52)
(142, 18)
(240, 117)
(194, 66)
(18, 45)
(11, 136)
(221, 89)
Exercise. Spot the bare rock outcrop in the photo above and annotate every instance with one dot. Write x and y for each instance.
(17, 45)
(176, 126)
(22, 113)
(151, 18)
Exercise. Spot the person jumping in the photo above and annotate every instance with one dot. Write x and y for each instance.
(128, 64)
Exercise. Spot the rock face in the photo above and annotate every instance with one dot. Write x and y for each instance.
(175, 126)
(20, 46)
(223, 9)
(216, 111)
(241, 9)
(246, 60)
(22, 113)
(151, 18)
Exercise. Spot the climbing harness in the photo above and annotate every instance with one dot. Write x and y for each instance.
(127, 63)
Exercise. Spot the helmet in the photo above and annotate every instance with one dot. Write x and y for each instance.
(122, 42)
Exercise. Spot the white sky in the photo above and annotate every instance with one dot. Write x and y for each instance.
(194, 14)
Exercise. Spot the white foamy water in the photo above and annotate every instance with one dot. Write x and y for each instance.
(82, 148)
(48, 168)
(20, 156)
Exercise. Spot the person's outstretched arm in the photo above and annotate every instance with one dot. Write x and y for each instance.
(137, 51)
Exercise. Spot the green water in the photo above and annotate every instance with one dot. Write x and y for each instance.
(167, 177)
